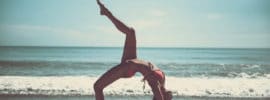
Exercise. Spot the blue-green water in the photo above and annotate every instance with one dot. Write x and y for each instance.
(28, 63)
(91, 61)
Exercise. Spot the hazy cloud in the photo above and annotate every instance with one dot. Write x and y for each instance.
(43, 34)
(214, 16)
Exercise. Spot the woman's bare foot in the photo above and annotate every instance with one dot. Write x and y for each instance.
(103, 9)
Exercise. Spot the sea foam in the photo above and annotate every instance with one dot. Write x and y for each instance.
(83, 85)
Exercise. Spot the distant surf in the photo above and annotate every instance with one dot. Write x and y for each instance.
(94, 69)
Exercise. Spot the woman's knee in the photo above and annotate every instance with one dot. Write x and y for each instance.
(98, 86)
(131, 31)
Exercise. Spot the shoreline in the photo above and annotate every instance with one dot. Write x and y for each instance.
(88, 97)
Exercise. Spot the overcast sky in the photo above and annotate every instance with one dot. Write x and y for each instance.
(158, 23)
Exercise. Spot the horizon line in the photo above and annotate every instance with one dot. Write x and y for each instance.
(137, 47)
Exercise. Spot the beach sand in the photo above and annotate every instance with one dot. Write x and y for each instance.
(23, 97)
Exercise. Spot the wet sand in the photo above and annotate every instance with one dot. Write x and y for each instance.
(24, 97)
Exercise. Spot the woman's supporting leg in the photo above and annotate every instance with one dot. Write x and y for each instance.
(109, 77)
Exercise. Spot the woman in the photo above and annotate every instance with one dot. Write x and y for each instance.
(130, 64)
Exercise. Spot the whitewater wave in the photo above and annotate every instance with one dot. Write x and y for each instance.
(83, 85)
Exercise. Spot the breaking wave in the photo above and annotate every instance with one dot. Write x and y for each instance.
(83, 85)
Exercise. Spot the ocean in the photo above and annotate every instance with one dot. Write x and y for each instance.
(190, 72)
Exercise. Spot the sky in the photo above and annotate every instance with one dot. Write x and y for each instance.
(158, 23)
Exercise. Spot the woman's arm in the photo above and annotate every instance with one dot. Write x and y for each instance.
(119, 25)
(155, 88)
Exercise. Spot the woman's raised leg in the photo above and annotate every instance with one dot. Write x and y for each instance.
(130, 51)
(130, 48)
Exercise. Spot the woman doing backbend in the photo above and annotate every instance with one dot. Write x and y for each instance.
(130, 64)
